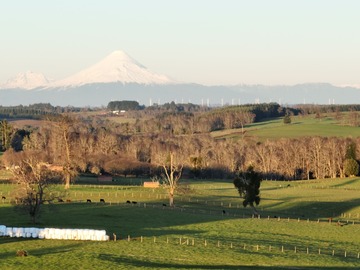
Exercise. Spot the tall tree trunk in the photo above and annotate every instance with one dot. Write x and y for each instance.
(171, 197)
(67, 181)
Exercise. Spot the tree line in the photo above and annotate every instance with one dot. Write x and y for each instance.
(102, 147)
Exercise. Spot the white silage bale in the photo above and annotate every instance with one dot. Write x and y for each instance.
(2, 230)
(20, 232)
(91, 234)
(64, 234)
(9, 231)
(41, 233)
(86, 234)
(51, 234)
(34, 232)
(100, 235)
(45, 232)
(74, 234)
(68, 234)
(57, 233)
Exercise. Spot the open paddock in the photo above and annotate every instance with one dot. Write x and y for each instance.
(293, 231)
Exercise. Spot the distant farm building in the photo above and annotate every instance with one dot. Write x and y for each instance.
(151, 184)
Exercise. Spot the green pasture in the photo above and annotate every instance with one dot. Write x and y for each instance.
(301, 126)
(208, 228)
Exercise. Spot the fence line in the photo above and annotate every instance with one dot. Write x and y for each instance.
(250, 247)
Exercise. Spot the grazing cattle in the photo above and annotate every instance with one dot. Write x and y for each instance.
(133, 202)
(102, 200)
(88, 201)
(68, 201)
(3, 198)
(164, 204)
(128, 202)
(60, 200)
(224, 212)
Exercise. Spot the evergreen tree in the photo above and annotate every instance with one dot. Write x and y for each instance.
(351, 167)
(287, 119)
(248, 185)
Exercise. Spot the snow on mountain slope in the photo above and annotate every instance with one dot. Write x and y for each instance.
(26, 80)
(116, 67)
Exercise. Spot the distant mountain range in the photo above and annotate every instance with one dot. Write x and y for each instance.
(120, 77)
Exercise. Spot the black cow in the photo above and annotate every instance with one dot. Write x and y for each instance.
(88, 201)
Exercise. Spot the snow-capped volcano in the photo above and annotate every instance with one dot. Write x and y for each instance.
(116, 67)
(26, 80)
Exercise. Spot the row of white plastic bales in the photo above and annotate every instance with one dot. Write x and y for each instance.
(53, 233)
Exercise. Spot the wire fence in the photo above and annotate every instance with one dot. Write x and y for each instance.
(241, 247)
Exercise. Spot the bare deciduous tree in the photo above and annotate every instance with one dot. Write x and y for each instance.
(65, 134)
(172, 175)
(34, 178)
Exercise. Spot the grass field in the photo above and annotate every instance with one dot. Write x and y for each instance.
(293, 231)
(300, 126)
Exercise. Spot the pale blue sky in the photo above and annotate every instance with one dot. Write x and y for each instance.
(201, 41)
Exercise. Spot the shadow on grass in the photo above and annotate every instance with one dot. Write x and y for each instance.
(39, 251)
(347, 182)
(137, 263)
(320, 210)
